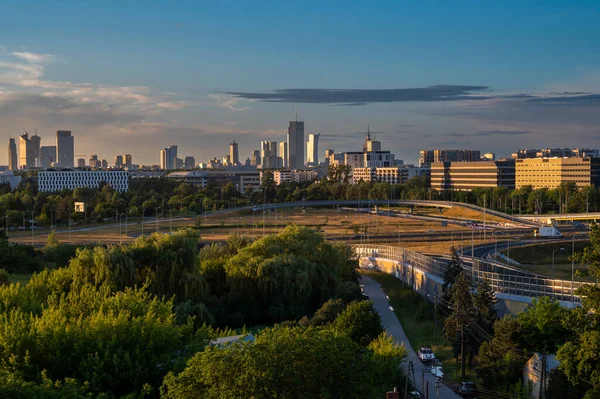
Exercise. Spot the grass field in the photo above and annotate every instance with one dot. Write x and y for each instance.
(538, 259)
(416, 316)
(470, 214)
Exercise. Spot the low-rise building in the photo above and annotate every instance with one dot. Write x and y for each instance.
(551, 172)
(242, 179)
(72, 179)
(534, 373)
(297, 176)
(470, 175)
(392, 175)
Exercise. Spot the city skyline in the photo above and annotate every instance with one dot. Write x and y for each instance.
(416, 73)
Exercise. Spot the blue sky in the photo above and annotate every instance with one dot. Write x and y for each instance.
(135, 76)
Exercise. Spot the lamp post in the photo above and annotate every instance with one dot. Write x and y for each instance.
(557, 249)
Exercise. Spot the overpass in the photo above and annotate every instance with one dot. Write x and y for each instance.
(550, 219)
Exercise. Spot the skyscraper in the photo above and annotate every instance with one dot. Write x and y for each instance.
(190, 162)
(127, 160)
(168, 156)
(35, 143)
(255, 161)
(118, 161)
(312, 149)
(81, 163)
(12, 155)
(163, 158)
(283, 154)
(268, 154)
(26, 160)
(234, 157)
(65, 149)
(295, 140)
(47, 156)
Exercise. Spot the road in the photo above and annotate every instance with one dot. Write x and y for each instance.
(393, 326)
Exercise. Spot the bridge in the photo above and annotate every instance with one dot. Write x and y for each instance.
(513, 287)
(550, 219)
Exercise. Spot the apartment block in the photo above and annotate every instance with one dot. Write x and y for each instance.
(57, 180)
(297, 176)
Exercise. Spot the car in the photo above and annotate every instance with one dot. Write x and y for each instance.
(467, 389)
(417, 395)
(437, 371)
(391, 308)
(426, 355)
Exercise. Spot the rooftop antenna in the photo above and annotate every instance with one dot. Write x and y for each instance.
(296, 110)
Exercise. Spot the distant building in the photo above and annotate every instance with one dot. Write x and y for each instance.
(8, 177)
(81, 163)
(190, 162)
(337, 158)
(551, 172)
(392, 175)
(470, 175)
(94, 163)
(312, 149)
(242, 179)
(127, 160)
(57, 180)
(26, 159)
(488, 156)
(268, 154)
(104, 164)
(378, 159)
(556, 153)
(296, 143)
(65, 149)
(354, 159)
(283, 154)
(297, 176)
(255, 160)
(234, 156)
(118, 161)
(427, 157)
(35, 143)
(48, 156)
(13, 163)
(168, 156)
(178, 163)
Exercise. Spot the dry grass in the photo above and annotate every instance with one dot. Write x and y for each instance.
(470, 214)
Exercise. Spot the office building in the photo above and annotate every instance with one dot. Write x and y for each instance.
(354, 159)
(26, 159)
(312, 149)
(255, 160)
(168, 156)
(392, 175)
(57, 180)
(242, 179)
(65, 149)
(551, 172)
(378, 159)
(104, 164)
(118, 161)
(488, 156)
(94, 163)
(469, 175)
(35, 143)
(297, 176)
(555, 153)
(127, 160)
(427, 157)
(296, 145)
(234, 156)
(190, 162)
(178, 163)
(8, 177)
(283, 155)
(80, 163)
(13, 163)
(268, 154)
(338, 158)
(47, 156)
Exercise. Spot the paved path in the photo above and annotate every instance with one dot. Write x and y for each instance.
(391, 323)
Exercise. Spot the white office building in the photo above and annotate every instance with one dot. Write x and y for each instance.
(72, 179)
(312, 149)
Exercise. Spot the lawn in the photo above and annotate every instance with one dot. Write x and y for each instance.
(417, 318)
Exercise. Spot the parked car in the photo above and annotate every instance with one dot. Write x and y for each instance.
(426, 355)
(467, 389)
(417, 395)
(437, 371)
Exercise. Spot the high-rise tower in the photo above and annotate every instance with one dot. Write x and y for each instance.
(65, 149)
(295, 140)
(234, 157)
(12, 155)
(312, 149)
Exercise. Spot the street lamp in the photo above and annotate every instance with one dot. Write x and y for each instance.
(557, 249)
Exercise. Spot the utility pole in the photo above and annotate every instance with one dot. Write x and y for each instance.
(435, 314)
(427, 390)
(408, 367)
(422, 378)
(462, 351)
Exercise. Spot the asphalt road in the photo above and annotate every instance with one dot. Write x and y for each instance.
(393, 326)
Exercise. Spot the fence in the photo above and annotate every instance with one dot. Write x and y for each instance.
(505, 280)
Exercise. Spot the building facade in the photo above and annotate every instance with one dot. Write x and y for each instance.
(392, 175)
(295, 140)
(234, 156)
(297, 176)
(551, 172)
(283, 155)
(556, 153)
(48, 156)
(427, 157)
(26, 159)
(268, 154)
(242, 179)
(118, 161)
(13, 163)
(7, 177)
(255, 160)
(80, 163)
(312, 149)
(168, 156)
(470, 175)
(35, 143)
(190, 162)
(65, 149)
(57, 180)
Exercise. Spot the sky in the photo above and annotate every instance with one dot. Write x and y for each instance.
(136, 76)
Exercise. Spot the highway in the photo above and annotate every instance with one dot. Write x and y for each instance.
(393, 326)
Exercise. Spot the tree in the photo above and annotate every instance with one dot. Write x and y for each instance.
(453, 270)
(462, 314)
(359, 321)
(484, 301)
(542, 328)
(328, 312)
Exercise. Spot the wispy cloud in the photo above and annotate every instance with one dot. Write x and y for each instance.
(229, 102)
(35, 58)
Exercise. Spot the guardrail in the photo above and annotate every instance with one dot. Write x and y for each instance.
(504, 280)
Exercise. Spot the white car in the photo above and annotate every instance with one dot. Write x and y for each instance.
(437, 371)
(426, 355)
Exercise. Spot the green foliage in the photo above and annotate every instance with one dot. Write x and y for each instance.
(453, 270)
(325, 365)
(3, 277)
(328, 312)
(542, 327)
(359, 321)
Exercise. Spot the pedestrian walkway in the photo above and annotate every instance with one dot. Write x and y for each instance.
(392, 325)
